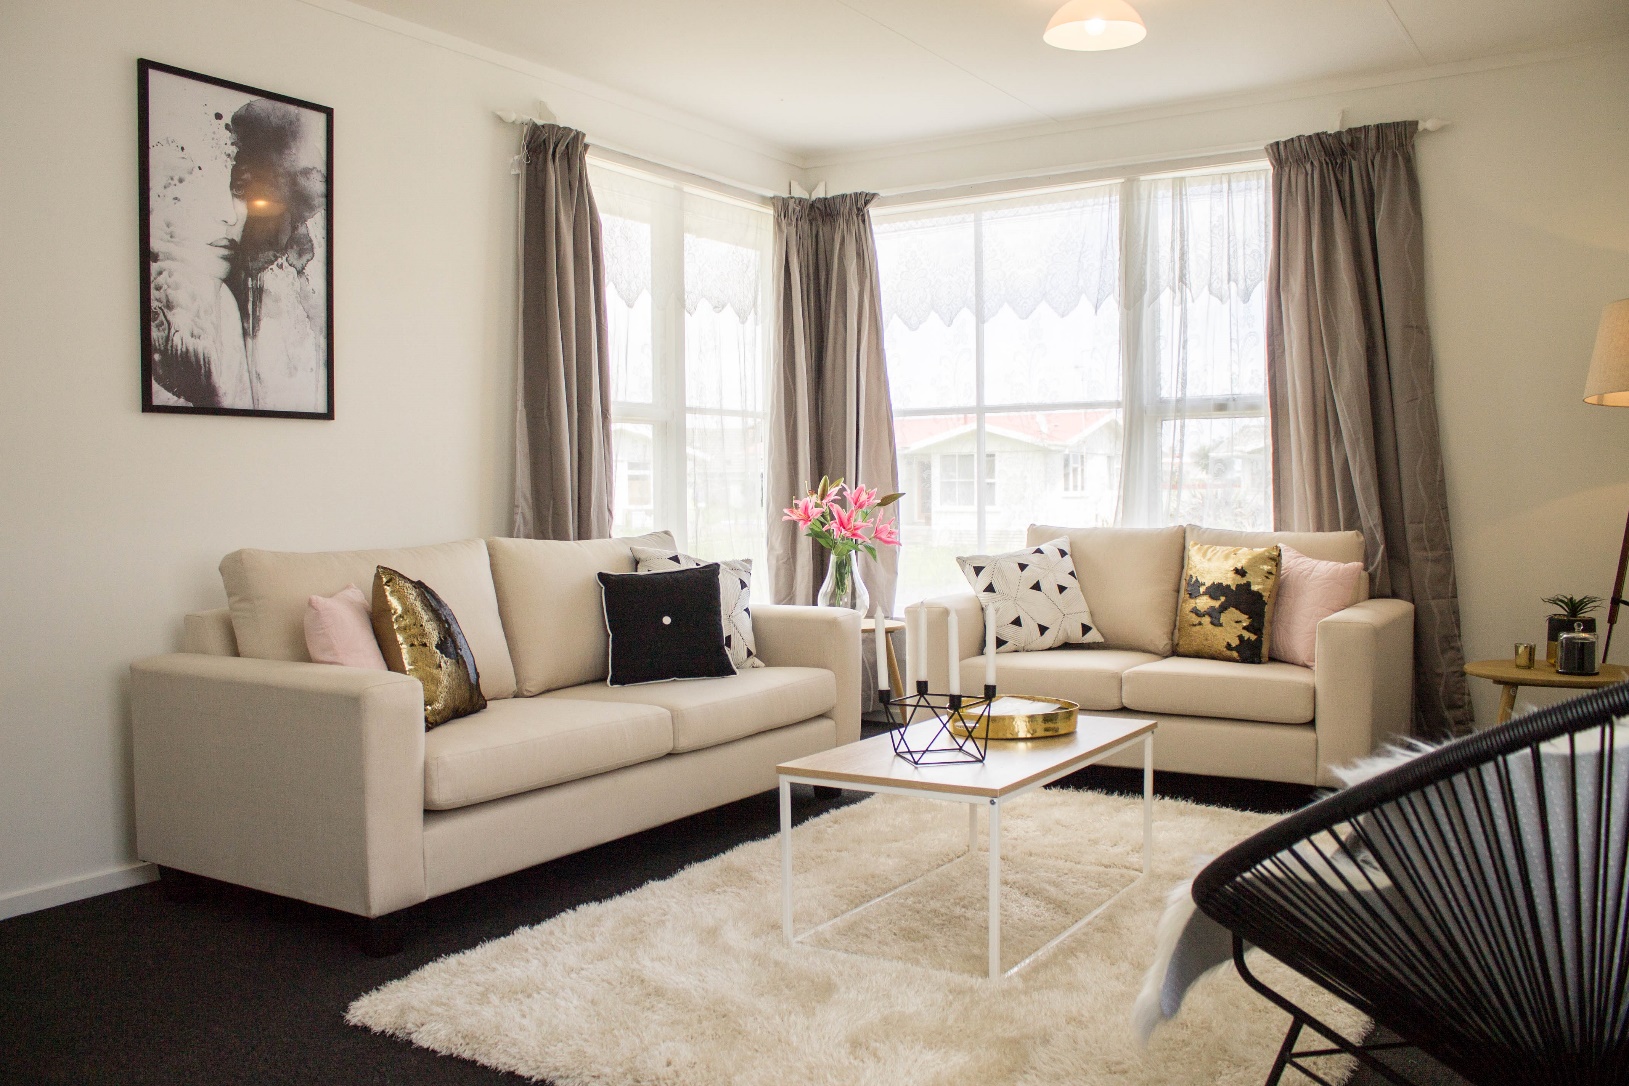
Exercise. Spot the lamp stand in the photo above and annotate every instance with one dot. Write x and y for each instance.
(1617, 592)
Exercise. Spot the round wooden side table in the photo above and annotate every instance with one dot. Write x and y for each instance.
(1513, 678)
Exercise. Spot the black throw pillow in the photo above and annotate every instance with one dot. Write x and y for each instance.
(666, 625)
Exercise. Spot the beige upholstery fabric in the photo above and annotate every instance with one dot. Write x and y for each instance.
(707, 712)
(524, 743)
(1275, 692)
(1324, 546)
(1227, 748)
(209, 633)
(267, 593)
(1130, 577)
(473, 844)
(1365, 658)
(1088, 677)
(548, 592)
(825, 637)
(305, 780)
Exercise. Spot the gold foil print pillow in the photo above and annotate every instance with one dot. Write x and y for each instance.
(419, 636)
(1225, 610)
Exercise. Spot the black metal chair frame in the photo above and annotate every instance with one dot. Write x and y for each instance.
(1481, 971)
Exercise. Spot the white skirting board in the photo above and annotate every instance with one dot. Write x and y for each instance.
(36, 898)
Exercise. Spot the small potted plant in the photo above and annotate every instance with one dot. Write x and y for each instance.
(845, 520)
(1571, 614)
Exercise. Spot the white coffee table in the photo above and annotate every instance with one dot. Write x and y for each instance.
(1010, 769)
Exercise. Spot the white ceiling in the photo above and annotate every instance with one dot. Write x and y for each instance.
(822, 76)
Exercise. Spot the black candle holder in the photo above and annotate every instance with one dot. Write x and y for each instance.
(944, 745)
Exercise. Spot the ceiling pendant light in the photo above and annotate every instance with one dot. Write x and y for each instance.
(1095, 24)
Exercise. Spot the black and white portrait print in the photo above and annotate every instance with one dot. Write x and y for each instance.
(236, 262)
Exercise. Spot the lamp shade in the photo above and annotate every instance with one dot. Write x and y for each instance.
(1608, 382)
(1095, 24)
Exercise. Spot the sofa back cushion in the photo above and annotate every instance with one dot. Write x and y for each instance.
(1324, 546)
(268, 591)
(549, 597)
(1130, 577)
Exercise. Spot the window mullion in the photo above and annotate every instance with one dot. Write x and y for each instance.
(667, 282)
(982, 514)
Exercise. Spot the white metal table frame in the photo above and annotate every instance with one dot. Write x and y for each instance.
(973, 802)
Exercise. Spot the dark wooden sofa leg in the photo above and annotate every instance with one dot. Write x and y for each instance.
(823, 793)
(379, 936)
(179, 887)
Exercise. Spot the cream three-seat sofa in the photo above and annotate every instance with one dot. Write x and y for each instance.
(1274, 721)
(257, 767)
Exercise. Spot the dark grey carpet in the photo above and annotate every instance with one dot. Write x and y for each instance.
(242, 987)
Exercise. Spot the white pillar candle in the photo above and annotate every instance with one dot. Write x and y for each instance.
(910, 653)
(955, 656)
(989, 645)
(882, 648)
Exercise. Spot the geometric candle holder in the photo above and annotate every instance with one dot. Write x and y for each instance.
(934, 741)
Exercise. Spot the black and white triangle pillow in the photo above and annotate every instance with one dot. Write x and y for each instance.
(1037, 597)
(734, 591)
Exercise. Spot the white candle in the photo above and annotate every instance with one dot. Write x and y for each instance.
(882, 648)
(989, 645)
(910, 653)
(955, 656)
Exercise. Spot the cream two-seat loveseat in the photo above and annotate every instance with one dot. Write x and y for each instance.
(1274, 721)
(257, 767)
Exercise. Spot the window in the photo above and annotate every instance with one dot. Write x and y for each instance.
(687, 296)
(1097, 353)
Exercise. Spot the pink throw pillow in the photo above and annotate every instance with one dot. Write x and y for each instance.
(339, 630)
(1309, 591)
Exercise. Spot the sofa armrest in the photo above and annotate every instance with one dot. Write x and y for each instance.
(305, 780)
(1364, 681)
(828, 637)
(969, 633)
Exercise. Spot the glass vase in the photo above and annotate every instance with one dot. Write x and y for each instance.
(842, 586)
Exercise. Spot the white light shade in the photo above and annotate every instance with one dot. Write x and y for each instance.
(1608, 381)
(1095, 24)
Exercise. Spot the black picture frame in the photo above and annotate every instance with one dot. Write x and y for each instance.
(193, 286)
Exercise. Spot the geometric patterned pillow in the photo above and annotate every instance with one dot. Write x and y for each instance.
(734, 596)
(1037, 597)
(1226, 607)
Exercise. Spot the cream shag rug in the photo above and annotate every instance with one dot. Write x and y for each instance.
(688, 982)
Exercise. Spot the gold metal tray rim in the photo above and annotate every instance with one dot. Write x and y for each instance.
(1009, 726)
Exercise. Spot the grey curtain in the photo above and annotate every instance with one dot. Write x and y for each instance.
(1349, 374)
(563, 466)
(829, 409)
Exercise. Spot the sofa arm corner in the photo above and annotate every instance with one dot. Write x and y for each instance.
(936, 612)
(1364, 681)
(828, 637)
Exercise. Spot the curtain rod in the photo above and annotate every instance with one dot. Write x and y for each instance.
(683, 172)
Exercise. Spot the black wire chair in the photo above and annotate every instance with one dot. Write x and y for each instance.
(1472, 902)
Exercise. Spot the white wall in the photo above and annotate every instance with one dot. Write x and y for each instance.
(1526, 198)
(113, 521)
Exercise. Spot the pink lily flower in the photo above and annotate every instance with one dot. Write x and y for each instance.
(846, 523)
(803, 511)
(886, 533)
(862, 497)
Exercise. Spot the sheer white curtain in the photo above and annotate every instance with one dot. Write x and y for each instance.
(1086, 357)
(688, 300)
(1195, 351)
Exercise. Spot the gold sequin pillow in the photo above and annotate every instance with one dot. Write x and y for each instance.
(419, 636)
(1225, 611)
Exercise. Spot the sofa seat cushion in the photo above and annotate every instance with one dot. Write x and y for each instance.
(707, 712)
(1274, 692)
(519, 744)
(1088, 677)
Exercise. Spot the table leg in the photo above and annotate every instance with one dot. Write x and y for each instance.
(786, 859)
(972, 827)
(995, 889)
(1507, 702)
(1148, 799)
(895, 681)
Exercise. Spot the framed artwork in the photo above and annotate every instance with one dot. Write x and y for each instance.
(237, 262)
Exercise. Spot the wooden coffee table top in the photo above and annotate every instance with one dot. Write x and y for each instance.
(1009, 766)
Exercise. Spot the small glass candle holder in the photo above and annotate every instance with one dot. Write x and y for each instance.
(1524, 653)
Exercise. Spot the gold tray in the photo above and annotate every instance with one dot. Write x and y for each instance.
(1017, 717)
